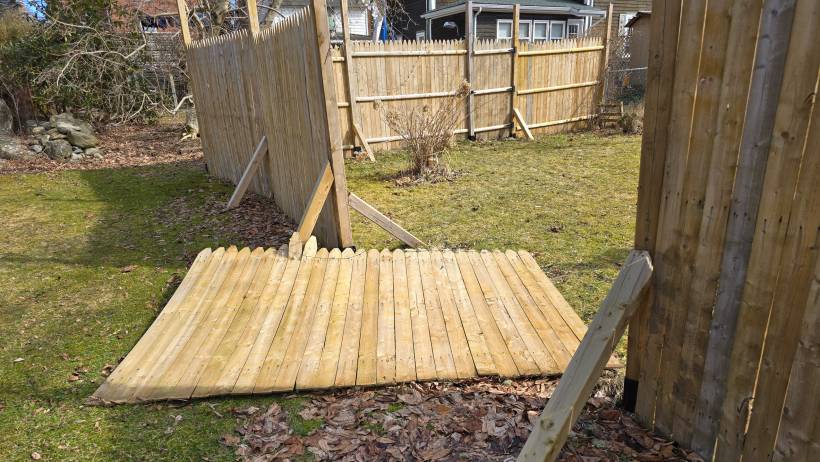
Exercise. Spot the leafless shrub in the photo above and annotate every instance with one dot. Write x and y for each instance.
(427, 133)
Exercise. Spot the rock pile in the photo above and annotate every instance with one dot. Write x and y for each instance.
(62, 138)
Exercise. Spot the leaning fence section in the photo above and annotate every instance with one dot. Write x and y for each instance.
(247, 86)
(724, 358)
(556, 88)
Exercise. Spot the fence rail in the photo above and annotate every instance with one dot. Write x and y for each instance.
(556, 88)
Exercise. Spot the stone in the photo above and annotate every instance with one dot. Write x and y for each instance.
(58, 149)
(94, 152)
(76, 157)
(36, 148)
(6, 118)
(76, 150)
(82, 139)
(38, 130)
(43, 139)
(11, 148)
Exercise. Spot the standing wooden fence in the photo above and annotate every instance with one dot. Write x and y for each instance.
(556, 88)
(248, 85)
(725, 356)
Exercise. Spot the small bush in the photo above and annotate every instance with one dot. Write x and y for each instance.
(427, 133)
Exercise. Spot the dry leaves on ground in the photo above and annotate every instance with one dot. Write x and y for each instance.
(478, 420)
(122, 146)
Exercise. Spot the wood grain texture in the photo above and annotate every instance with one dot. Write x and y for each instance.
(262, 321)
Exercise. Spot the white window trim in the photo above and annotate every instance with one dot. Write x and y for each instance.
(420, 35)
(528, 38)
(498, 24)
(564, 31)
(575, 22)
(547, 29)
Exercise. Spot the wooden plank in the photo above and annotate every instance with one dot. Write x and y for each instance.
(326, 375)
(308, 376)
(250, 171)
(405, 359)
(196, 280)
(606, 51)
(442, 354)
(352, 81)
(164, 354)
(797, 439)
(524, 360)
(540, 321)
(572, 392)
(496, 345)
(253, 325)
(766, 81)
(528, 332)
(331, 113)
(560, 51)
(369, 212)
(479, 352)
(366, 371)
(726, 65)
(303, 315)
(276, 349)
(569, 86)
(295, 246)
(365, 145)
(465, 367)
(315, 203)
(386, 347)
(665, 24)
(275, 300)
(515, 56)
(349, 352)
(182, 9)
(520, 119)
(253, 16)
(559, 325)
(164, 380)
(219, 365)
(469, 39)
(425, 364)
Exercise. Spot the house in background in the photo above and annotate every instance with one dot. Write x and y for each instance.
(540, 19)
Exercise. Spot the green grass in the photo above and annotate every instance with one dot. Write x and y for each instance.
(67, 307)
(567, 199)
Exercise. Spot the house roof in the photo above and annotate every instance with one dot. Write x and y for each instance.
(527, 6)
(639, 15)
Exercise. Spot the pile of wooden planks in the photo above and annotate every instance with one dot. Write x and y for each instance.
(259, 321)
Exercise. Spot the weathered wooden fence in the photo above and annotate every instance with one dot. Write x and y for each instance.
(270, 83)
(556, 85)
(725, 356)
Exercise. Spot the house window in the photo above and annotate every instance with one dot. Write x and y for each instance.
(503, 29)
(557, 30)
(574, 28)
(525, 30)
(540, 30)
(624, 18)
(420, 35)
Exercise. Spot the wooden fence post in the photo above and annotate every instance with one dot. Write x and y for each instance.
(605, 58)
(253, 17)
(182, 8)
(352, 83)
(468, 39)
(335, 155)
(514, 68)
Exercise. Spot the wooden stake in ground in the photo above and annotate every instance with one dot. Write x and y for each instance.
(562, 410)
(352, 83)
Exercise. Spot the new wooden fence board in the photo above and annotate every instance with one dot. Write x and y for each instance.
(261, 321)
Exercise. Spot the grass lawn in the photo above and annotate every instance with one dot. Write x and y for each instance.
(87, 259)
